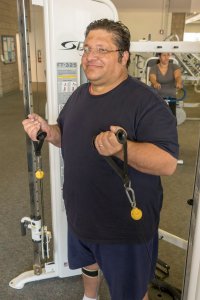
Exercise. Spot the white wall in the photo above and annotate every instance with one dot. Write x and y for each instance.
(142, 23)
(36, 39)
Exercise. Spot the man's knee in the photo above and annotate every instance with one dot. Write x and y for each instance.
(91, 271)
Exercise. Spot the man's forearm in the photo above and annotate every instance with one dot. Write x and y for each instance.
(150, 159)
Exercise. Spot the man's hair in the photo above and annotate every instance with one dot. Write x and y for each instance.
(121, 34)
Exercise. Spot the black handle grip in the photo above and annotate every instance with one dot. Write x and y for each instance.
(41, 135)
(38, 145)
(121, 136)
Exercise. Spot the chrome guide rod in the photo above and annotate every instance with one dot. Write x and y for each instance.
(28, 106)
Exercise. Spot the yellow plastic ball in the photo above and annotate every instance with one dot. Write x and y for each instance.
(39, 174)
(136, 213)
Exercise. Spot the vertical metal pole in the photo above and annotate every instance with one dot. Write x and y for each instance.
(191, 284)
(28, 106)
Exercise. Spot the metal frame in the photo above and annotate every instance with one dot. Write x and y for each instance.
(191, 286)
(165, 46)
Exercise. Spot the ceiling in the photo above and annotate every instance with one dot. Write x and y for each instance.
(174, 5)
(141, 4)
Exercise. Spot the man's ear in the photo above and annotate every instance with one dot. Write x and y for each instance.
(125, 57)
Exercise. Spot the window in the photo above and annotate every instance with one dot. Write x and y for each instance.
(8, 48)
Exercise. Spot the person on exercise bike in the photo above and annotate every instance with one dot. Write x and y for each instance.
(165, 77)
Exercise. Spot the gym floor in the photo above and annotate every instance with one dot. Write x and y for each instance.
(16, 255)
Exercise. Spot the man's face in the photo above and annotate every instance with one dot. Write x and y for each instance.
(102, 68)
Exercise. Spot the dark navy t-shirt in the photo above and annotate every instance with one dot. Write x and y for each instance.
(97, 207)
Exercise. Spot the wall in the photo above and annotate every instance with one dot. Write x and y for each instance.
(8, 26)
(142, 23)
(36, 39)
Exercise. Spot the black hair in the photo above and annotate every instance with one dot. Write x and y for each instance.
(121, 34)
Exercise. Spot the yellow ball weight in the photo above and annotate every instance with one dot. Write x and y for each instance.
(39, 174)
(136, 213)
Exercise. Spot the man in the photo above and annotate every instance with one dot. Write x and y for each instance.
(101, 232)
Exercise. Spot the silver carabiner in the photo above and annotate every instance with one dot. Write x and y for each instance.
(130, 194)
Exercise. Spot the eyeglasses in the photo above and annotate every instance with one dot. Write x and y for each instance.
(98, 51)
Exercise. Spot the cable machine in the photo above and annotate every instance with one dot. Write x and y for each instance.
(65, 23)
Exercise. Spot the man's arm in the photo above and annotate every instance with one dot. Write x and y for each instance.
(34, 123)
(144, 157)
(149, 158)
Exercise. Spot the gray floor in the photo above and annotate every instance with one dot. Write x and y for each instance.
(16, 255)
